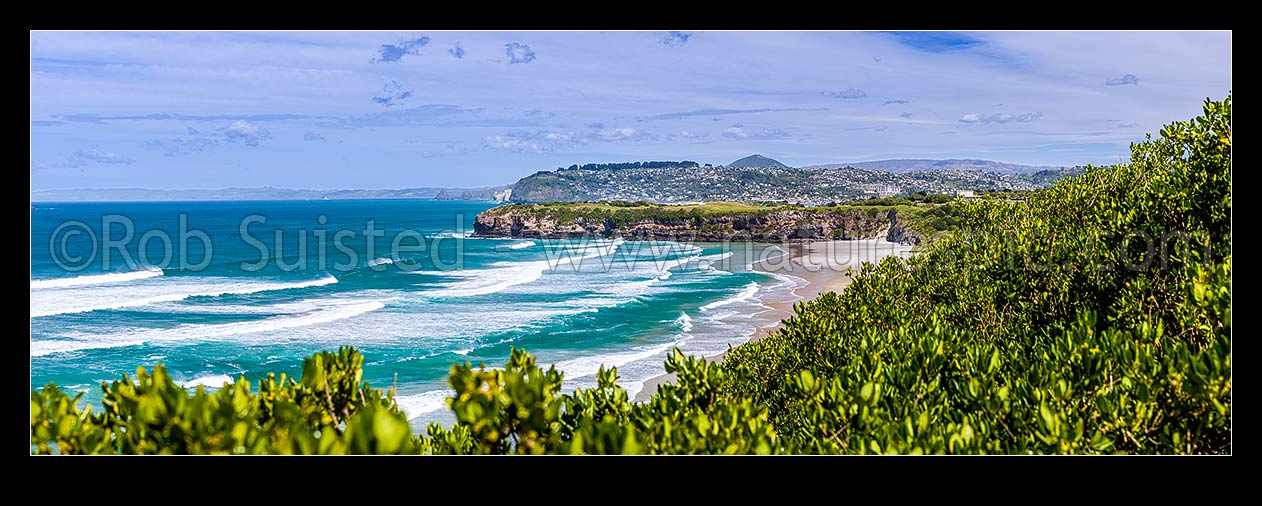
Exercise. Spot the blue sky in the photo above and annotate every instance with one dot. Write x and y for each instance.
(326, 110)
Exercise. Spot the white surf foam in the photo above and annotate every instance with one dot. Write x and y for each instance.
(434, 328)
(503, 276)
(684, 322)
(785, 279)
(211, 381)
(620, 286)
(55, 302)
(676, 263)
(415, 405)
(201, 331)
(491, 280)
(719, 257)
(634, 367)
(380, 261)
(747, 293)
(94, 279)
(521, 245)
(588, 366)
(669, 248)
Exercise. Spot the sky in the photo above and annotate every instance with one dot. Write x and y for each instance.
(374, 110)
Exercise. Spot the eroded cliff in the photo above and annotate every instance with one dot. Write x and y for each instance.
(694, 224)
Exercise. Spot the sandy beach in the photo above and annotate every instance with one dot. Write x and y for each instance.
(823, 265)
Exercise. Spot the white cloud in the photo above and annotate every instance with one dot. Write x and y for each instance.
(1000, 117)
(244, 132)
(617, 134)
(742, 133)
(542, 141)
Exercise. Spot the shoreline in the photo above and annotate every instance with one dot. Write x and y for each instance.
(822, 264)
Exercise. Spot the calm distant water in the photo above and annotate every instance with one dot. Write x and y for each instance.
(578, 304)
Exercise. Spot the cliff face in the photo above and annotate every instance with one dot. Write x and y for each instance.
(778, 226)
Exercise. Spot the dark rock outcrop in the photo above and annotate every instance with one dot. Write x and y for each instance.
(775, 226)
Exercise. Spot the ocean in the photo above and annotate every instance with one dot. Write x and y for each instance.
(117, 285)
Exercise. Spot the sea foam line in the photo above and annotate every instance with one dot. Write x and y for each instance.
(38, 311)
(748, 293)
(716, 258)
(497, 279)
(415, 405)
(94, 279)
(200, 331)
(587, 366)
(212, 381)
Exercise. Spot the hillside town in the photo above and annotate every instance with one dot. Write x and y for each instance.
(707, 183)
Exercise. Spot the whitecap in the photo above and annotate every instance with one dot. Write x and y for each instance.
(414, 405)
(210, 381)
(747, 293)
(94, 279)
(504, 275)
(55, 302)
(331, 313)
(684, 322)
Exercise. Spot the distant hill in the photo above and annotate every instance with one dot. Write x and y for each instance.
(264, 193)
(923, 165)
(757, 161)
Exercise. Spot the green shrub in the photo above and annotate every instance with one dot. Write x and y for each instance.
(329, 411)
(1025, 331)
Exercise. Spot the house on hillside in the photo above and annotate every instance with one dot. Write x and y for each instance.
(880, 190)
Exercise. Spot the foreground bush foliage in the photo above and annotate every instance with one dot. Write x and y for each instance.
(1096, 317)
(1093, 318)
(331, 411)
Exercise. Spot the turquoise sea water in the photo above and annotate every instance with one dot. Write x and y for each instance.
(577, 304)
